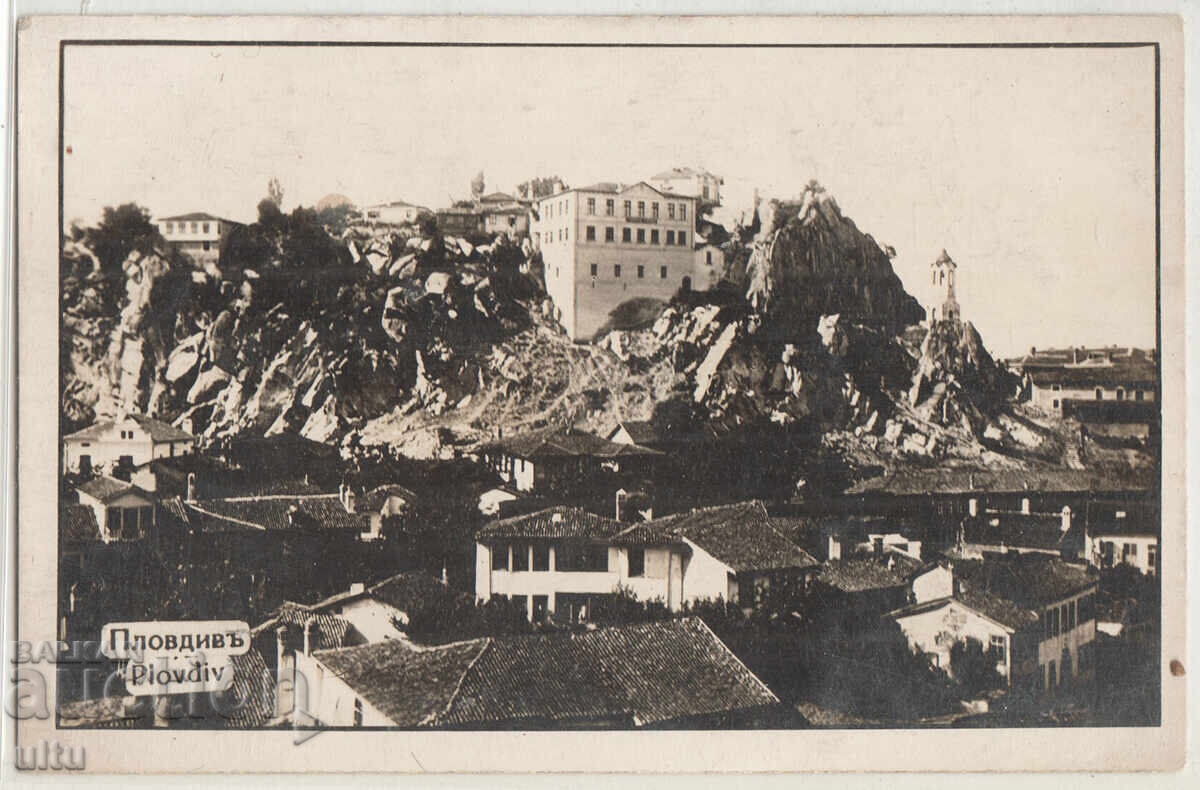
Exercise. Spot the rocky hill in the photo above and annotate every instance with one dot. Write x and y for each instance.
(427, 345)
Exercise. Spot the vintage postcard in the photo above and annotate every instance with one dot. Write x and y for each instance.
(599, 394)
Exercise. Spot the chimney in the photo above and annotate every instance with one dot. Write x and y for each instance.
(191, 487)
(280, 649)
(309, 627)
(349, 500)
(973, 507)
(293, 512)
(556, 518)
(358, 588)
(621, 495)
(1066, 518)
(1025, 505)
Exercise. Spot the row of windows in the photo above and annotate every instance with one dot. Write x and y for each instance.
(1129, 554)
(641, 271)
(581, 556)
(1121, 393)
(183, 227)
(1061, 619)
(628, 236)
(631, 209)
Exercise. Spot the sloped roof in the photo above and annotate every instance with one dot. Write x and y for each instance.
(374, 499)
(1026, 580)
(323, 511)
(328, 631)
(649, 673)
(106, 489)
(944, 260)
(157, 430)
(641, 431)
(1128, 374)
(858, 575)
(197, 216)
(253, 689)
(740, 535)
(561, 521)
(406, 591)
(556, 442)
(957, 480)
(600, 186)
(995, 609)
(77, 524)
(1127, 526)
(411, 687)
(498, 197)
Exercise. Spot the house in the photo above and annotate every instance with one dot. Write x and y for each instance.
(504, 213)
(636, 433)
(563, 561)
(606, 244)
(1124, 540)
(123, 512)
(329, 516)
(551, 457)
(855, 591)
(397, 212)
(459, 221)
(693, 182)
(1058, 647)
(1075, 382)
(167, 477)
(708, 265)
(671, 674)
(197, 235)
(1058, 534)
(127, 441)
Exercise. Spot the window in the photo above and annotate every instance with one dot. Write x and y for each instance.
(705, 191)
(591, 205)
(641, 208)
(997, 647)
(628, 209)
(610, 234)
(170, 227)
(1056, 387)
(682, 237)
(564, 207)
(1055, 403)
(541, 607)
(683, 210)
(581, 557)
(1071, 608)
(1064, 617)
(654, 236)
(1099, 394)
(566, 234)
(1152, 557)
(358, 712)
(608, 207)
(1129, 551)
(520, 557)
(595, 270)
(626, 235)
(637, 562)
(616, 270)
(1041, 677)
(641, 271)
(1051, 675)
(500, 558)
(1056, 616)
(541, 556)
(1120, 394)
(708, 257)
(662, 273)
(591, 233)
(654, 211)
(670, 211)
(1139, 395)
(206, 227)
(193, 227)
(206, 246)
(671, 238)
(641, 236)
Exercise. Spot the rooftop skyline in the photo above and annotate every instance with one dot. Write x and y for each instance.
(1033, 168)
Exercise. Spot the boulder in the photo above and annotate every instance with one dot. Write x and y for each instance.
(437, 283)
(207, 384)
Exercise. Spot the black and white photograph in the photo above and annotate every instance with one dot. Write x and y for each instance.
(543, 385)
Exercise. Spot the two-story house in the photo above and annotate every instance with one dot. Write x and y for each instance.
(122, 511)
(605, 244)
(197, 235)
(552, 457)
(127, 440)
(563, 561)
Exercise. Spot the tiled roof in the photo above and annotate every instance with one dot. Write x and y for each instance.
(77, 524)
(559, 443)
(600, 186)
(1097, 375)
(647, 673)
(1001, 610)
(957, 480)
(157, 430)
(253, 691)
(1016, 530)
(374, 499)
(641, 431)
(107, 713)
(1115, 527)
(196, 216)
(328, 631)
(319, 511)
(498, 197)
(106, 489)
(858, 575)
(739, 535)
(409, 686)
(1027, 580)
(650, 673)
(560, 521)
(407, 591)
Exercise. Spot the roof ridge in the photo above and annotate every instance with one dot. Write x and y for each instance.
(271, 497)
(194, 506)
(433, 717)
(731, 654)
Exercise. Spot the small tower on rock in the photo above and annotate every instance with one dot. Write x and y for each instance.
(945, 305)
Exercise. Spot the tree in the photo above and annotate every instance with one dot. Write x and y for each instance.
(122, 230)
(477, 185)
(974, 667)
(275, 192)
(538, 187)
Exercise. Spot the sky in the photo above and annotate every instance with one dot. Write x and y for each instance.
(1034, 169)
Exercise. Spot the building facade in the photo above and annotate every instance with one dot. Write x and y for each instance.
(198, 235)
(693, 182)
(129, 441)
(397, 212)
(605, 244)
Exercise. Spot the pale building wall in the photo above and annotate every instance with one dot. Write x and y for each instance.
(392, 215)
(933, 584)
(1051, 648)
(1139, 558)
(1051, 399)
(129, 500)
(935, 632)
(107, 449)
(708, 263)
(331, 700)
(371, 618)
(705, 577)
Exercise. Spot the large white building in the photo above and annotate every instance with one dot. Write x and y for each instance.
(398, 212)
(606, 244)
(198, 235)
(563, 561)
(696, 182)
(129, 440)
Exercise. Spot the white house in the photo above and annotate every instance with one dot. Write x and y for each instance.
(130, 441)
(123, 511)
(695, 182)
(562, 561)
(398, 212)
(198, 235)
(1124, 541)
(935, 626)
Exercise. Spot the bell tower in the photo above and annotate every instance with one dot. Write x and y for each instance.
(944, 305)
